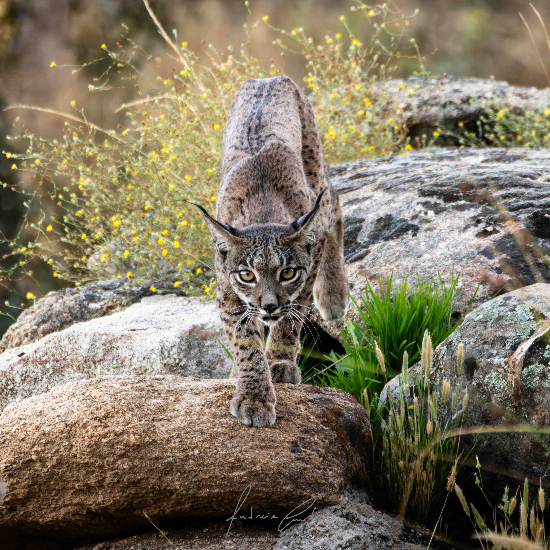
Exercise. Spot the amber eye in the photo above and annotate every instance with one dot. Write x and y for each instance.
(246, 276)
(288, 273)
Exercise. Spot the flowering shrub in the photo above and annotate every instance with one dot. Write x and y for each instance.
(117, 202)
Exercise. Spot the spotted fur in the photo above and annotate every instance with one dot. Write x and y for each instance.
(276, 210)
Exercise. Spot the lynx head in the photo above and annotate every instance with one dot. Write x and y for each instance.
(267, 265)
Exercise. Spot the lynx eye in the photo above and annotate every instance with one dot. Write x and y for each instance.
(288, 273)
(246, 276)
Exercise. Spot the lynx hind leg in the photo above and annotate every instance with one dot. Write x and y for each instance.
(331, 289)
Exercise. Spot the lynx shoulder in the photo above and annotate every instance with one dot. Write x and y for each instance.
(278, 239)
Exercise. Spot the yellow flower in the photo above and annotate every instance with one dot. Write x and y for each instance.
(13, 166)
(30, 295)
(184, 44)
(116, 223)
(329, 40)
(265, 17)
(52, 64)
(199, 270)
(371, 13)
(103, 46)
(366, 101)
(547, 112)
(146, 207)
(342, 18)
(176, 244)
(126, 253)
(338, 35)
(216, 126)
(357, 43)
(8, 155)
(436, 134)
(502, 138)
(408, 147)
(49, 262)
(129, 274)
(213, 199)
(103, 257)
(37, 161)
(56, 273)
(190, 262)
(136, 239)
(164, 231)
(73, 102)
(176, 284)
(152, 289)
(161, 240)
(164, 252)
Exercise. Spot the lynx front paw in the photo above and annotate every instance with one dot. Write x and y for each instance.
(332, 307)
(251, 412)
(285, 371)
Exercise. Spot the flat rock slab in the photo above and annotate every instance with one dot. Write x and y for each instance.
(63, 308)
(86, 460)
(161, 334)
(442, 210)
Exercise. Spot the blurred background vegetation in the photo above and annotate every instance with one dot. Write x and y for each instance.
(480, 38)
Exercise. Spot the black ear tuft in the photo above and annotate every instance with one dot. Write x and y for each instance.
(210, 219)
(303, 220)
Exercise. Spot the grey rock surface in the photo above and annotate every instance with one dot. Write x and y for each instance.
(483, 213)
(161, 334)
(353, 524)
(60, 309)
(423, 105)
(491, 333)
(86, 460)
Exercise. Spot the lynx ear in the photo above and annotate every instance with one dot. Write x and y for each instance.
(305, 220)
(224, 235)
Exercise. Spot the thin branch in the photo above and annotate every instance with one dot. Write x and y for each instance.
(142, 101)
(66, 115)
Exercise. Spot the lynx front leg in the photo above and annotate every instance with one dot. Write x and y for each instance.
(254, 400)
(283, 346)
(331, 290)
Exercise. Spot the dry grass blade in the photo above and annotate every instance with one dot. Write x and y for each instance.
(536, 48)
(515, 363)
(511, 543)
(543, 25)
(151, 521)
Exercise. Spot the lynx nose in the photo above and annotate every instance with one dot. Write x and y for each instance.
(270, 308)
